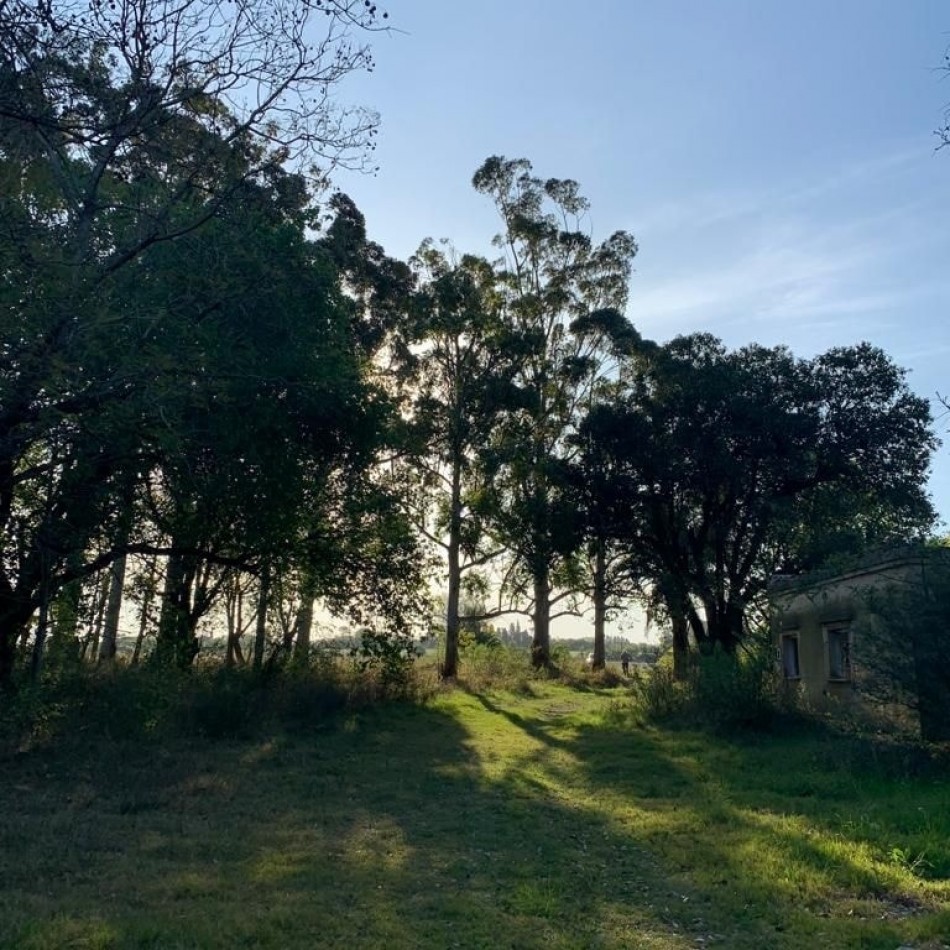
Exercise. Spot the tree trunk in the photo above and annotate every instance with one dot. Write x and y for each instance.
(288, 622)
(175, 643)
(735, 625)
(235, 615)
(8, 640)
(90, 646)
(15, 614)
(65, 610)
(452, 624)
(724, 621)
(110, 628)
(600, 607)
(260, 631)
(541, 645)
(147, 598)
(680, 646)
(304, 626)
(39, 644)
(680, 611)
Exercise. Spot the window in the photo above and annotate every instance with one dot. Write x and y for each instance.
(790, 667)
(839, 653)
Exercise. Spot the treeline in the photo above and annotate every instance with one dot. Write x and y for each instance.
(210, 372)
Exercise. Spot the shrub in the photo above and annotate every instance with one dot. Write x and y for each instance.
(310, 698)
(27, 717)
(607, 677)
(223, 704)
(903, 657)
(658, 694)
(723, 691)
(736, 691)
(390, 656)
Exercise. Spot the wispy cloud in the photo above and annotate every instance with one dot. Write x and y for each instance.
(782, 266)
(797, 270)
(705, 208)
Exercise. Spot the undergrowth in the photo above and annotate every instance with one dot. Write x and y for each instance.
(722, 692)
(158, 702)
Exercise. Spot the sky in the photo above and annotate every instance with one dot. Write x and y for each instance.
(776, 161)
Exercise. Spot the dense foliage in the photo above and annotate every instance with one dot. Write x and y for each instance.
(221, 403)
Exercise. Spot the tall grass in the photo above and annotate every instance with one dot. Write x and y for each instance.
(723, 692)
(156, 702)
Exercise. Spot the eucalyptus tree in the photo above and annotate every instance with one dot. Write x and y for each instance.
(944, 131)
(462, 385)
(551, 274)
(724, 458)
(612, 572)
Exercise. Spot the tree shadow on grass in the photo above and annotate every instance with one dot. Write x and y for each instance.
(388, 832)
(734, 828)
(468, 824)
(687, 797)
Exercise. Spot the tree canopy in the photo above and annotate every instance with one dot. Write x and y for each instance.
(732, 465)
(208, 361)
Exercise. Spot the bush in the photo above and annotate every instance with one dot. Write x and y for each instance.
(564, 661)
(723, 691)
(390, 656)
(307, 701)
(26, 718)
(156, 701)
(903, 660)
(657, 693)
(608, 678)
(223, 704)
(736, 691)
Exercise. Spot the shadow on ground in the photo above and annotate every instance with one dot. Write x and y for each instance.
(479, 821)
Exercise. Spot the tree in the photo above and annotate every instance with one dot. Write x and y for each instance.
(725, 456)
(902, 657)
(126, 128)
(614, 576)
(462, 385)
(551, 275)
(613, 573)
(944, 132)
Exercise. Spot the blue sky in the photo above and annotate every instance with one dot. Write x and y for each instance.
(775, 161)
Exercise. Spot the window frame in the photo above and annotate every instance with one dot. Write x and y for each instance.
(793, 637)
(840, 632)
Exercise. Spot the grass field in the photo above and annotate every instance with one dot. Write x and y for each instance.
(545, 818)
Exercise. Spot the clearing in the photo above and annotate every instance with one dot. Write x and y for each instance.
(546, 818)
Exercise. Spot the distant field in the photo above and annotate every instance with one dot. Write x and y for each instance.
(547, 819)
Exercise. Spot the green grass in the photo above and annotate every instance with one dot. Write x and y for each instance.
(543, 818)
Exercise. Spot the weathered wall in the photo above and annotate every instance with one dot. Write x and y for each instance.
(812, 605)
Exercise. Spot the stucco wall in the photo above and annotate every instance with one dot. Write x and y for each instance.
(812, 607)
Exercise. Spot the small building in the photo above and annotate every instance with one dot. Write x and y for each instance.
(818, 621)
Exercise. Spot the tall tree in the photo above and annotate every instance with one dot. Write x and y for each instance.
(725, 456)
(125, 127)
(551, 274)
(462, 385)
(613, 575)
(944, 131)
